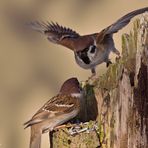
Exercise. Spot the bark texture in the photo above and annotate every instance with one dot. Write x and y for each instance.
(118, 100)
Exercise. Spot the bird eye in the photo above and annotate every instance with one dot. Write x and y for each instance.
(92, 49)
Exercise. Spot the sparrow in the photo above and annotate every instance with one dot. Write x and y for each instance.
(58, 110)
(89, 50)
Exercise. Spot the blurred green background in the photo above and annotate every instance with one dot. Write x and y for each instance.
(32, 69)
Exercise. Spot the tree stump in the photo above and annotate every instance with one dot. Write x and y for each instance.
(119, 103)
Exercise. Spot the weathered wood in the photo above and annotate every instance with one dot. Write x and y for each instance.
(121, 99)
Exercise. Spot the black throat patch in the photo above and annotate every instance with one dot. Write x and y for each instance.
(83, 55)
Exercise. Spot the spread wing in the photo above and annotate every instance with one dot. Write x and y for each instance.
(56, 106)
(120, 23)
(56, 33)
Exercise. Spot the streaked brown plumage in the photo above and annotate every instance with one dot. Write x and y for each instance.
(90, 50)
(59, 109)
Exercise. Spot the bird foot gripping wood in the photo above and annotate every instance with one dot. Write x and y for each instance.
(118, 58)
(118, 55)
(69, 125)
(93, 78)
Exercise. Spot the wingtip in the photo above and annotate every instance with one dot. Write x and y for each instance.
(26, 124)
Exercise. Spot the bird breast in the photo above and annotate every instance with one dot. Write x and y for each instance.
(88, 61)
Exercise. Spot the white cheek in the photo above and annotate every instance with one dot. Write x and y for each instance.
(77, 95)
(91, 55)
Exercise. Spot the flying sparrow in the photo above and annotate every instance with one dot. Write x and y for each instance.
(58, 110)
(89, 50)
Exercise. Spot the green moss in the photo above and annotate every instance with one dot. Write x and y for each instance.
(61, 138)
(100, 129)
(111, 78)
(136, 27)
(129, 47)
(129, 42)
(89, 89)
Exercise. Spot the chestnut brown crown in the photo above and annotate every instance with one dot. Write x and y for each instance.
(70, 86)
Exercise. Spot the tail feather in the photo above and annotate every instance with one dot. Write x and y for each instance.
(35, 139)
(31, 122)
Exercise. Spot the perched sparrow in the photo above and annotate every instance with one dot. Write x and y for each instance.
(89, 50)
(59, 109)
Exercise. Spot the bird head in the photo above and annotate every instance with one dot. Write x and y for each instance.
(71, 87)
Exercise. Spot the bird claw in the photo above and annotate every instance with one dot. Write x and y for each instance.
(118, 58)
(92, 79)
(108, 63)
(69, 125)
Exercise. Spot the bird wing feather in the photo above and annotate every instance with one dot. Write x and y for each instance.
(58, 105)
(119, 24)
(56, 33)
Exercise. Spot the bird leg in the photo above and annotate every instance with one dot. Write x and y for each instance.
(63, 126)
(93, 71)
(92, 77)
(117, 53)
(108, 63)
(68, 125)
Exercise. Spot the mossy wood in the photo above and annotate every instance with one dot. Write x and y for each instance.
(121, 97)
